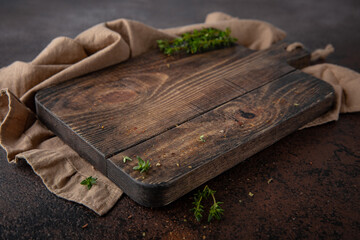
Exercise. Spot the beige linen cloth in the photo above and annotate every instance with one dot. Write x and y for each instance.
(59, 167)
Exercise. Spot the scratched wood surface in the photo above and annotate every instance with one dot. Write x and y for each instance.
(157, 107)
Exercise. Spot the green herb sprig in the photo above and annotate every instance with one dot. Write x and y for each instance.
(89, 182)
(142, 165)
(215, 210)
(197, 41)
(126, 158)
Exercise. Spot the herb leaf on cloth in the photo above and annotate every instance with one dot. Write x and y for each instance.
(89, 182)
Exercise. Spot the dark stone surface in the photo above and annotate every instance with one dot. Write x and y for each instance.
(315, 192)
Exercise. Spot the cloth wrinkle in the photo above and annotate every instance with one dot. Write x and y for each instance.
(322, 53)
(291, 47)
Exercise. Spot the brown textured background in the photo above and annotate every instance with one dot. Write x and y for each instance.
(315, 192)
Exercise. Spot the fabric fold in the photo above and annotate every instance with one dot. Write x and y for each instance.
(20, 130)
(61, 50)
(61, 170)
(346, 84)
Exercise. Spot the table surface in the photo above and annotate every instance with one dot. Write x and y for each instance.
(315, 191)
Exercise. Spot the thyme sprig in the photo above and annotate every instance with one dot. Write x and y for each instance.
(197, 41)
(198, 209)
(215, 210)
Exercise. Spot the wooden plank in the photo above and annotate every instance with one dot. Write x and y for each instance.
(233, 132)
(143, 102)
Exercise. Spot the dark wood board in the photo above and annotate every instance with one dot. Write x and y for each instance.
(157, 107)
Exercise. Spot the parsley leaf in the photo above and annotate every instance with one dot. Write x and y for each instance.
(89, 182)
(142, 165)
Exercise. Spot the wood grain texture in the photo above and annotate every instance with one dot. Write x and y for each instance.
(157, 107)
(234, 131)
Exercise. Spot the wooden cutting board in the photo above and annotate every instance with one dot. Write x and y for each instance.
(157, 107)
